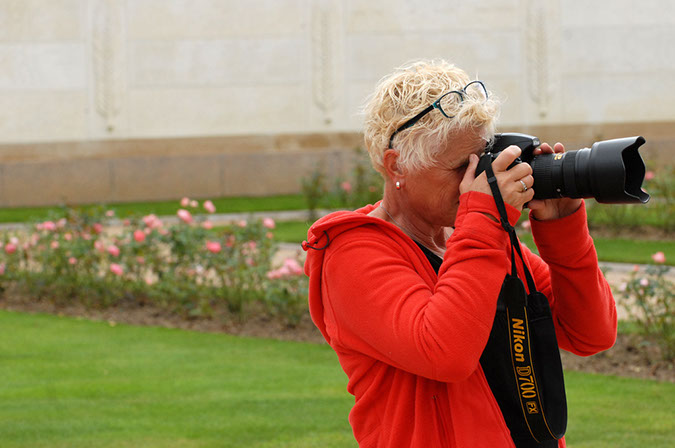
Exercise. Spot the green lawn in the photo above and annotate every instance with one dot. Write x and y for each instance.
(223, 205)
(621, 250)
(75, 383)
(292, 231)
(611, 412)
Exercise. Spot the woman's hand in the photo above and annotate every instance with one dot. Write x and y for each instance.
(547, 209)
(514, 184)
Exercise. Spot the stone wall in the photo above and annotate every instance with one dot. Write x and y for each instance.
(118, 100)
(162, 169)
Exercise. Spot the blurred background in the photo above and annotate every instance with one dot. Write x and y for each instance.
(134, 100)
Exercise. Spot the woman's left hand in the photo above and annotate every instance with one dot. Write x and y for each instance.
(547, 209)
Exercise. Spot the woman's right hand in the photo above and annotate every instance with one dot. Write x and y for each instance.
(510, 181)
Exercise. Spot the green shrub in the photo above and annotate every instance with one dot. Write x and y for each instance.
(658, 213)
(648, 299)
(362, 186)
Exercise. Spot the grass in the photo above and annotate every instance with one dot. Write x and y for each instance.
(241, 204)
(611, 412)
(292, 231)
(621, 250)
(75, 383)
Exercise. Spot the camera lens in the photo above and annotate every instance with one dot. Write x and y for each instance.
(611, 171)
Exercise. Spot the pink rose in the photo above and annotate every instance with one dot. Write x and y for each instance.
(293, 266)
(526, 225)
(97, 228)
(110, 213)
(242, 223)
(139, 236)
(10, 248)
(185, 202)
(68, 237)
(208, 225)
(116, 269)
(3, 268)
(185, 216)
(113, 250)
(649, 175)
(209, 207)
(659, 257)
(346, 187)
(213, 247)
(140, 260)
(72, 260)
(152, 221)
(272, 275)
(49, 225)
(99, 246)
(644, 282)
(194, 204)
(268, 223)
(54, 245)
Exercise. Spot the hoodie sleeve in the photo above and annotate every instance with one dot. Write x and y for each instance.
(581, 300)
(381, 300)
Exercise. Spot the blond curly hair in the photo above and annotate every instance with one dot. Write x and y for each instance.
(407, 91)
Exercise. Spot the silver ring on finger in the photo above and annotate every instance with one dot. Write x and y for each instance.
(524, 186)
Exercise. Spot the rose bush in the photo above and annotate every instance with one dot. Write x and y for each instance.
(648, 299)
(187, 266)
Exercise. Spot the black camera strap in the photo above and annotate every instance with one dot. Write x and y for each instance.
(504, 220)
(521, 360)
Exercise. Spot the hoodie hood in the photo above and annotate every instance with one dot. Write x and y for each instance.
(319, 238)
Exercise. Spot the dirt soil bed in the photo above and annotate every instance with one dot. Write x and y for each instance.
(631, 356)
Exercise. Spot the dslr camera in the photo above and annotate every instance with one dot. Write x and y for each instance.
(611, 171)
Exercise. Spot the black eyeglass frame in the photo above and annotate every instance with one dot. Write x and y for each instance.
(436, 105)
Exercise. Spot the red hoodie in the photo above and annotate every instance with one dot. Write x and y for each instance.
(410, 340)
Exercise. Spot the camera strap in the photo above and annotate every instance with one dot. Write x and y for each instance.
(522, 360)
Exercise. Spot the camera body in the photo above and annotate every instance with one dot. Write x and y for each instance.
(611, 171)
(527, 144)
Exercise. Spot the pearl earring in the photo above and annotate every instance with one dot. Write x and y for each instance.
(398, 185)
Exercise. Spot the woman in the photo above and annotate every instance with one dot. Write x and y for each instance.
(405, 290)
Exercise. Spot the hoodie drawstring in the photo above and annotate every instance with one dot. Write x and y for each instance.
(306, 245)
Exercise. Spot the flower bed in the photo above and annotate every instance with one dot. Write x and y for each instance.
(190, 266)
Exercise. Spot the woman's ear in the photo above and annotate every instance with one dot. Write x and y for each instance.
(391, 165)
